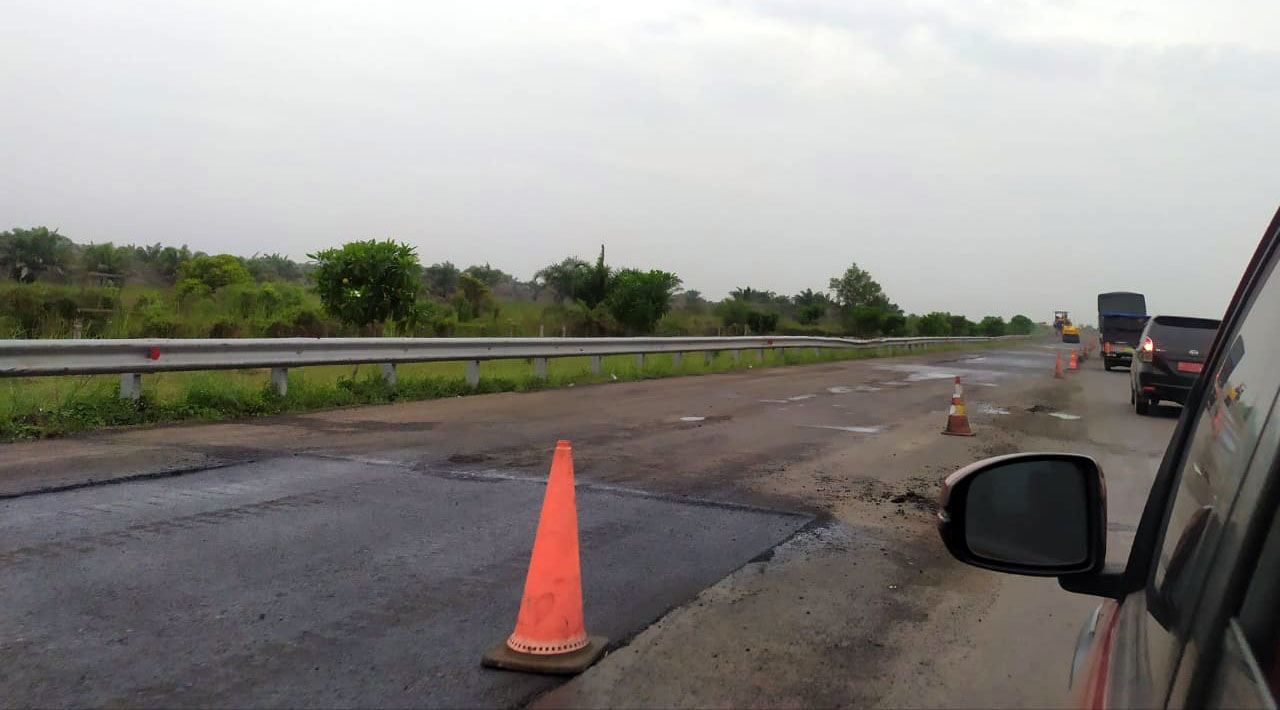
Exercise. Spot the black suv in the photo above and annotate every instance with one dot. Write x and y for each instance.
(1169, 358)
(1193, 618)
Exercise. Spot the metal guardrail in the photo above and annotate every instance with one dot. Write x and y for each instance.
(134, 357)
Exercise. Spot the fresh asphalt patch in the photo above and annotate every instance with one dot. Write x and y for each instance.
(313, 581)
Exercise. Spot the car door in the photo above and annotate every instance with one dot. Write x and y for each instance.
(1158, 635)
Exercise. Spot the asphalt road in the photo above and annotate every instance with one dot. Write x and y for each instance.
(758, 539)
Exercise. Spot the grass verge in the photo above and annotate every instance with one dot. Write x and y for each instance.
(40, 407)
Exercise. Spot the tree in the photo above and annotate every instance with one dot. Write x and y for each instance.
(1020, 325)
(28, 254)
(992, 326)
(893, 325)
(106, 257)
(961, 325)
(935, 324)
(856, 288)
(273, 267)
(867, 320)
(474, 297)
(213, 272)
(369, 282)
(565, 278)
(164, 260)
(638, 299)
(441, 279)
(599, 281)
(809, 297)
(808, 315)
(488, 275)
(575, 280)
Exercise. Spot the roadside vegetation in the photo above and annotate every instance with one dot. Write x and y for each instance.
(41, 407)
(53, 287)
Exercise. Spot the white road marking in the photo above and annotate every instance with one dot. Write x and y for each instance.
(775, 401)
(801, 397)
(692, 419)
(839, 390)
(854, 429)
(1061, 415)
(992, 409)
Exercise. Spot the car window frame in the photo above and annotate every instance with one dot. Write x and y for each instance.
(1140, 567)
(1140, 570)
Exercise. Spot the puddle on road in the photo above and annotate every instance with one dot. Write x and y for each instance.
(801, 397)
(896, 383)
(854, 429)
(692, 419)
(839, 390)
(1062, 415)
(992, 409)
(775, 401)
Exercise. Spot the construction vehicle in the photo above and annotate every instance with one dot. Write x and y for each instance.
(1060, 319)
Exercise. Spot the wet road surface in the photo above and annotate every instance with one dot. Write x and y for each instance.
(367, 556)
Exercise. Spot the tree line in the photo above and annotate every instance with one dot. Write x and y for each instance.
(376, 285)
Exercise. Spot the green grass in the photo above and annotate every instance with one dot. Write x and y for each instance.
(39, 407)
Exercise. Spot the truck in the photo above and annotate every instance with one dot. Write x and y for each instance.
(1121, 317)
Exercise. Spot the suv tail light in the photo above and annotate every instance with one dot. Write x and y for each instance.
(1147, 351)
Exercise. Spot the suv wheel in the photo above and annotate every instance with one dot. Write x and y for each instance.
(1142, 405)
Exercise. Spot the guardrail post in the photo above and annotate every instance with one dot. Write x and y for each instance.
(676, 359)
(782, 352)
(760, 355)
(131, 385)
(709, 356)
(639, 362)
(473, 372)
(737, 355)
(540, 367)
(817, 353)
(280, 380)
(389, 374)
(595, 364)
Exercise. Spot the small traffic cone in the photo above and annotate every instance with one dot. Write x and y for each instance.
(550, 636)
(1057, 367)
(1071, 364)
(957, 420)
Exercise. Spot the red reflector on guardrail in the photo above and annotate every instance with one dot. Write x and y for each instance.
(154, 353)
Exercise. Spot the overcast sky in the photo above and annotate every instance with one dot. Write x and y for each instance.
(982, 157)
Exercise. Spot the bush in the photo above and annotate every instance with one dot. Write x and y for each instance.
(637, 299)
(935, 325)
(369, 282)
(991, 326)
(1020, 325)
(762, 321)
(214, 272)
(157, 321)
(224, 329)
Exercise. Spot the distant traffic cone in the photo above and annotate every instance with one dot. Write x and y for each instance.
(1057, 367)
(549, 636)
(1071, 364)
(957, 420)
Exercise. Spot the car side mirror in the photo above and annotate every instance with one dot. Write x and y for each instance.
(1033, 514)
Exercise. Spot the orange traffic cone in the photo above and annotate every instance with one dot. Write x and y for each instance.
(957, 420)
(1057, 367)
(1071, 364)
(549, 636)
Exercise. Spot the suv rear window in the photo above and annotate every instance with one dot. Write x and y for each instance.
(1181, 333)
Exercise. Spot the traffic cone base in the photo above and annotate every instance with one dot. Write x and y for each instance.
(501, 656)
